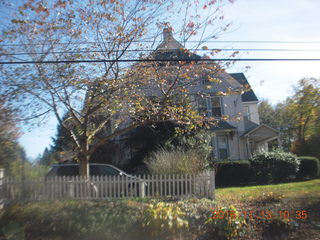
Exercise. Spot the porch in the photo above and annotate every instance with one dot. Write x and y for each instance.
(258, 139)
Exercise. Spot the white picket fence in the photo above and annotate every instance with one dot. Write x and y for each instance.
(109, 187)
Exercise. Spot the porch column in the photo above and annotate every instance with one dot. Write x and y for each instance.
(248, 148)
(279, 143)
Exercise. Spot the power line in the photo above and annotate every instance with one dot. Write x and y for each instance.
(145, 41)
(149, 50)
(164, 60)
(258, 41)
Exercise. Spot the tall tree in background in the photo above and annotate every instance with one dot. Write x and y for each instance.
(304, 106)
(108, 98)
(62, 148)
(285, 121)
(10, 150)
(267, 114)
(297, 118)
(313, 142)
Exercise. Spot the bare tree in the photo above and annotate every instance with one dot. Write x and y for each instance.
(76, 61)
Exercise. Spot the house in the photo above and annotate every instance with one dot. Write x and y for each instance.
(235, 137)
(239, 136)
(239, 139)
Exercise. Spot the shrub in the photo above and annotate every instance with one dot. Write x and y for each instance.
(309, 167)
(269, 197)
(74, 220)
(163, 221)
(233, 172)
(227, 223)
(195, 140)
(277, 228)
(176, 161)
(276, 166)
(308, 157)
(120, 219)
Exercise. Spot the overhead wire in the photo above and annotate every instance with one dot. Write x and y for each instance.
(151, 41)
(150, 50)
(159, 60)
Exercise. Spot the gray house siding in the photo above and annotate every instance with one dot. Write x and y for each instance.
(240, 133)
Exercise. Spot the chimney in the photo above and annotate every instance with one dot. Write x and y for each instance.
(167, 34)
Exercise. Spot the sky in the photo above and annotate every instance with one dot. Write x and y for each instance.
(252, 20)
(276, 20)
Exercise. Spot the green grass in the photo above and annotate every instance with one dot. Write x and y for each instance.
(291, 191)
(118, 218)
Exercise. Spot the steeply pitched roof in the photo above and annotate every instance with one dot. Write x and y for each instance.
(248, 96)
(170, 48)
(262, 133)
(175, 54)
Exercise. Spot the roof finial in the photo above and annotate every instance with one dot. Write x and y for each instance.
(167, 33)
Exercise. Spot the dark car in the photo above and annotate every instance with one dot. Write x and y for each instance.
(95, 169)
(113, 182)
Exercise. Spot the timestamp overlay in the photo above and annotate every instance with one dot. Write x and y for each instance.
(264, 214)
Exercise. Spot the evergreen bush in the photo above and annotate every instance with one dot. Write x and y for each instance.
(276, 166)
(233, 172)
(309, 167)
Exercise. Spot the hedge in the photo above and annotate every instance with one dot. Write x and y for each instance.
(276, 166)
(309, 167)
(233, 173)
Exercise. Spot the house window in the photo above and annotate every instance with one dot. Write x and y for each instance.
(216, 106)
(205, 80)
(246, 113)
(209, 106)
(202, 106)
(223, 150)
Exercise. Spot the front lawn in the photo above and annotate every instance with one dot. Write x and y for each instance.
(292, 199)
(309, 190)
(175, 219)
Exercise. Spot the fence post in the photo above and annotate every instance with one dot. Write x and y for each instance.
(212, 185)
(71, 185)
(1, 176)
(1, 187)
(142, 187)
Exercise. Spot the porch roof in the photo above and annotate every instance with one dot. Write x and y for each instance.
(223, 125)
(261, 133)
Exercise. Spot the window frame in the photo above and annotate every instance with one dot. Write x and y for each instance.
(208, 109)
(219, 148)
(212, 107)
(246, 113)
(202, 107)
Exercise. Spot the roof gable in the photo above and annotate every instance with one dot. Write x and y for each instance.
(170, 48)
(248, 96)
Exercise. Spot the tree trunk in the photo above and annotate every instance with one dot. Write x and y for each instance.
(84, 164)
